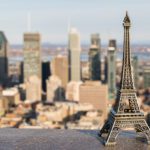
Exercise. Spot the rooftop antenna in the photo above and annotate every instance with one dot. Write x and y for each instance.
(68, 30)
(109, 35)
(29, 21)
(69, 25)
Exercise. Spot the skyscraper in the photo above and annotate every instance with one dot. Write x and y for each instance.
(95, 40)
(59, 67)
(3, 58)
(74, 55)
(32, 66)
(46, 72)
(32, 55)
(14, 72)
(105, 65)
(111, 56)
(94, 63)
(95, 57)
(146, 76)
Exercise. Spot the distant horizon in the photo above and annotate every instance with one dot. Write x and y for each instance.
(84, 44)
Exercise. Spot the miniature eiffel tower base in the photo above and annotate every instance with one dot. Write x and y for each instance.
(118, 122)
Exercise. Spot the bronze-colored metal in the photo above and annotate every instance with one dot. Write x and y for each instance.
(126, 112)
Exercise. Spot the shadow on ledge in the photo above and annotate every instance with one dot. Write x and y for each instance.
(47, 139)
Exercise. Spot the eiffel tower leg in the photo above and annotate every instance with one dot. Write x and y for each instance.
(112, 135)
(143, 127)
(110, 131)
(105, 128)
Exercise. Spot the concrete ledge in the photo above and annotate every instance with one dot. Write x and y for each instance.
(40, 139)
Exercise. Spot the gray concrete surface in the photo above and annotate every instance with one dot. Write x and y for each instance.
(40, 139)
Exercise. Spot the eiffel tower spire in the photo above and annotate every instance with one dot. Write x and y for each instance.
(126, 77)
(126, 112)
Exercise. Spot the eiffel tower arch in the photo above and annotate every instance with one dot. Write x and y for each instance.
(126, 112)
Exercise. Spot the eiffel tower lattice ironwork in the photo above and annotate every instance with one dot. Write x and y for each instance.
(126, 112)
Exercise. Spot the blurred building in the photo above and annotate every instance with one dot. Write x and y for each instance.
(59, 67)
(111, 56)
(54, 89)
(135, 70)
(95, 40)
(91, 121)
(74, 55)
(146, 76)
(32, 55)
(105, 79)
(148, 119)
(14, 71)
(72, 91)
(33, 88)
(95, 93)
(46, 72)
(94, 63)
(8, 98)
(12, 96)
(85, 70)
(3, 58)
(4, 105)
(21, 78)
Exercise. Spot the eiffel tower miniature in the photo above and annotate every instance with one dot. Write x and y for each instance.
(126, 112)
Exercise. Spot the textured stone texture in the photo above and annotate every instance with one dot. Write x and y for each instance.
(40, 139)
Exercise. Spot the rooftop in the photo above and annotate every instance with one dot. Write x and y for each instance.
(45, 139)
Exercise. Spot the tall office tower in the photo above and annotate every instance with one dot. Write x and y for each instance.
(111, 56)
(14, 72)
(32, 55)
(146, 76)
(32, 66)
(46, 72)
(21, 78)
(135, 70)
(96, 41)
(94, 63)
(105, 80)
(59, 67)
(74, 55)
(3, 58)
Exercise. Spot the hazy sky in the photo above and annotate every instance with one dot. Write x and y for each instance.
(51, 17)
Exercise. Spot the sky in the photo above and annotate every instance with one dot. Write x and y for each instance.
(51, 19)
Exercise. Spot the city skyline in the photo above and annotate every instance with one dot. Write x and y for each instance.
(51, 19)
(74, 69)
